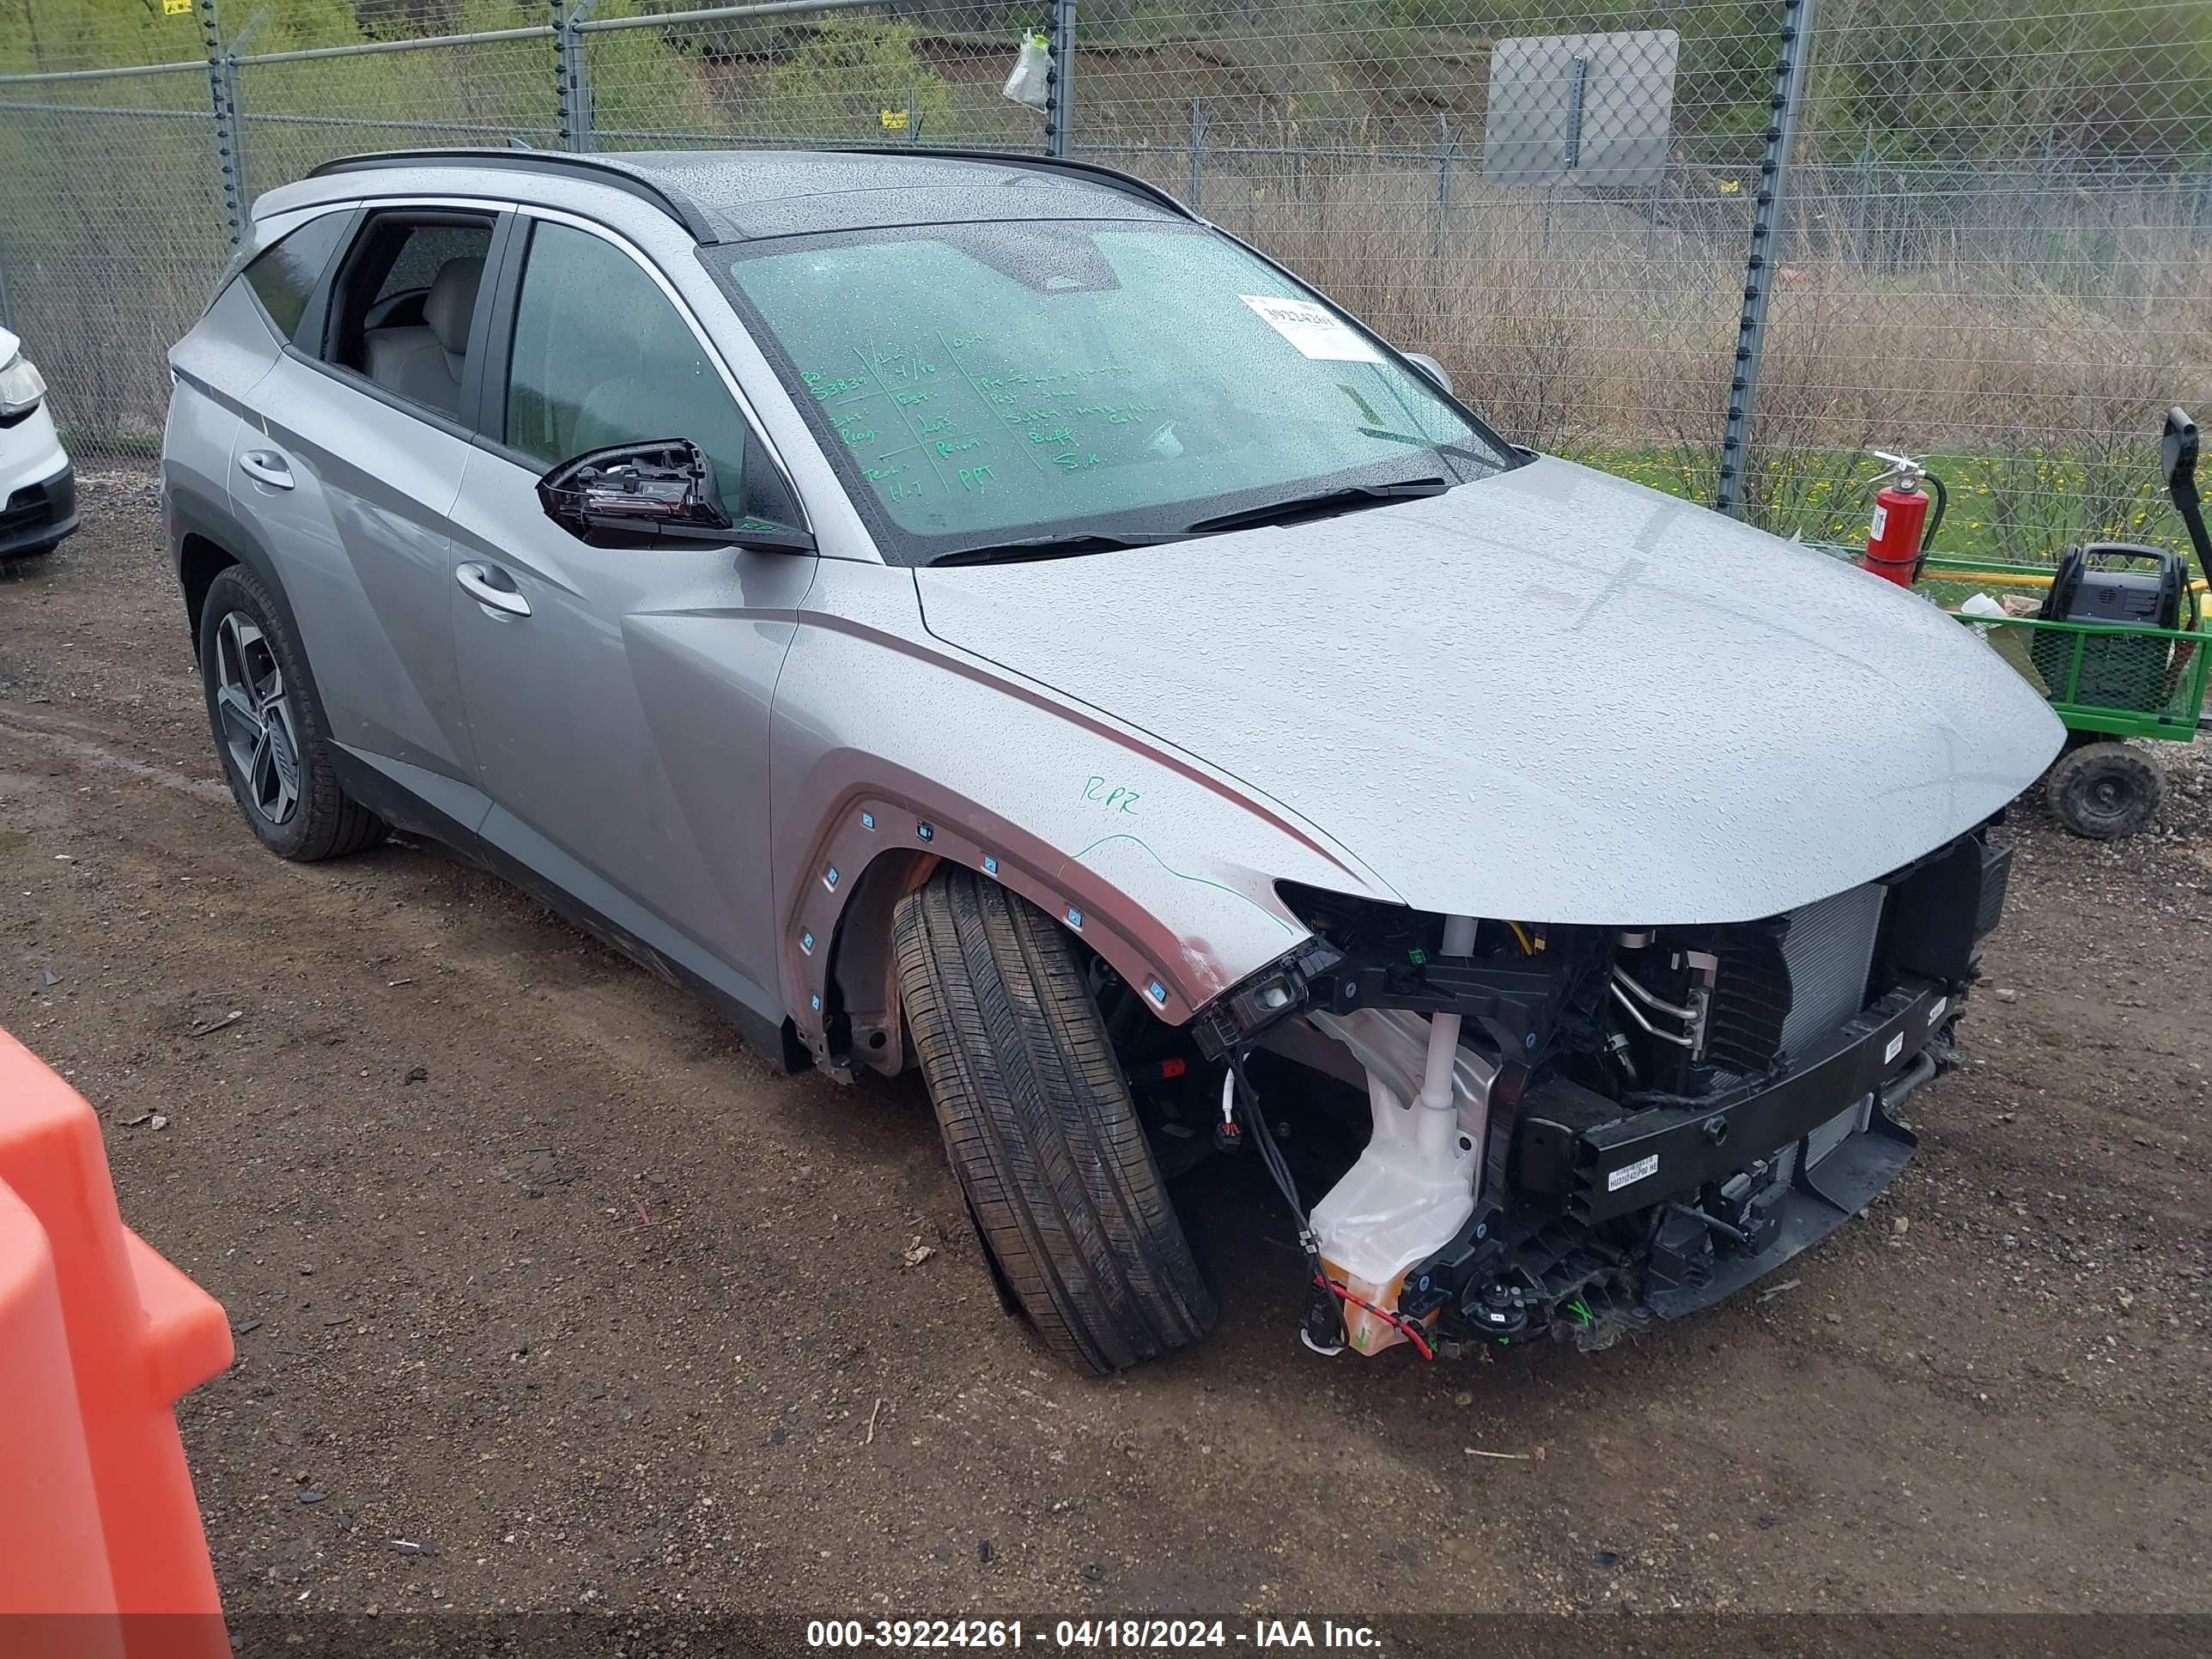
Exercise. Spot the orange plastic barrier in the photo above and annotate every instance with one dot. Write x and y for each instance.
(99, 1336)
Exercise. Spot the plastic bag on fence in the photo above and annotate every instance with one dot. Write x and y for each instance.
(1027, 84)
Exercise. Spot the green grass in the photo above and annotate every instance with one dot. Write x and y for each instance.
(2014, 509)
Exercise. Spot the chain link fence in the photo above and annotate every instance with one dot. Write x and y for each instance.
(1723, 246)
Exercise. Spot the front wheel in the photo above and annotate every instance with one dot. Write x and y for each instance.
(269, 729)
(2105, 790)
(1040, 1127)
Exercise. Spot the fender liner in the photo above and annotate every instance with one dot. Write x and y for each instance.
(835, 951)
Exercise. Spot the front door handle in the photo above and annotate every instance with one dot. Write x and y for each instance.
(266, 466)
(490, 586)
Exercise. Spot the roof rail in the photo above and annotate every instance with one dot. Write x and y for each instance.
(592, 168)
(1112, 178)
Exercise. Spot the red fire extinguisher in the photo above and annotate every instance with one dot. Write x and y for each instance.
(1903, 532)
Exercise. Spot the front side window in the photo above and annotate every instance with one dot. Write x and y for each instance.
(996, 383)
(602, 357)
(283, 275)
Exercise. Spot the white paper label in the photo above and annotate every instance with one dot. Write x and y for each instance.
(1881, 522)
(1896, 1048)
(1629, 1174)
(1314, 330)
(1935, 1011)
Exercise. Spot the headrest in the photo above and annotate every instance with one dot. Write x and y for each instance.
(452, 302)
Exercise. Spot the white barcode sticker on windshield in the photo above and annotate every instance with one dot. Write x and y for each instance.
(1314, 330)
(1629, 1174)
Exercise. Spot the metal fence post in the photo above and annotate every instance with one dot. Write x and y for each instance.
(1443, 166)
(1790, 78)
(1059, 81)
(572, 71)
(222, 85)
(232, 96)
(1197, 153)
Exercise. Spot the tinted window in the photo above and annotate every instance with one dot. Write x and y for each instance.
(602, 357)
(987, 383)
(285, 273)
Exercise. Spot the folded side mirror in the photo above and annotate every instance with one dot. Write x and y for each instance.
(1429, 367)
(664, 490)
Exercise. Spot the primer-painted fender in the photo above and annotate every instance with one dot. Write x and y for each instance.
(1162, 864)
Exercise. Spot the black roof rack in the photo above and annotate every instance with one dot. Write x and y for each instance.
(596, 169)
(641, 182)
(1112, 178)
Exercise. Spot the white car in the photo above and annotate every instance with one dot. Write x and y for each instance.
(38, 486)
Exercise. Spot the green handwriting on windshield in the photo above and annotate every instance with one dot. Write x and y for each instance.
(1001, 382)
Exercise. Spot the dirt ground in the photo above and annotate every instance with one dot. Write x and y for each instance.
(549, 1294)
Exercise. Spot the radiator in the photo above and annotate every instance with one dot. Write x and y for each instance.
(1829, 947)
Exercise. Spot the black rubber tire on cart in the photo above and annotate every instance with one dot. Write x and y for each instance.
(2105, 790)
(1040, 1127)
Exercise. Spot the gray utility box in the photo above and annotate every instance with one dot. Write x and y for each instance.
(1585, 109)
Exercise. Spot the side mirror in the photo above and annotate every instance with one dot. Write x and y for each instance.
(642, 492)
(1429, 367)
(2178, 449)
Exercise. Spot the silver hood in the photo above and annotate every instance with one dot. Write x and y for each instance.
(1552, 694)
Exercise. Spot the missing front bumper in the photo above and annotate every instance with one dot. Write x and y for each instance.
(1800, 1155)
(1579, 1150)
(1818, 1200)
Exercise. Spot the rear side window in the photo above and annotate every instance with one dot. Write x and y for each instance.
(425, 253)
(283, 275)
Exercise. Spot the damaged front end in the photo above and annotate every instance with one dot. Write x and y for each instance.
(1576, 1130)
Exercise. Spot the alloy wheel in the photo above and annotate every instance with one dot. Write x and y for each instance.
(255, 710)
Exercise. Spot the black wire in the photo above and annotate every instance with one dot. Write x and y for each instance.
(1278, 1167)
(1934, 522)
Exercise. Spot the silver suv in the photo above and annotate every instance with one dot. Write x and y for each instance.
(965, 612)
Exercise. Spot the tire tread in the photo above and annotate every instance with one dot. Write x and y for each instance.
(1040, 1128)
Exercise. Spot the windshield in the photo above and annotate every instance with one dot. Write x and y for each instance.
(1085, 383)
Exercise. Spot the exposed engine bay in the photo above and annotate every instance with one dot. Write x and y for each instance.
(1576, 1130)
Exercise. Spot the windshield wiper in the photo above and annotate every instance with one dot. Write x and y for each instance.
(1322, 503)
(1460, 451)
(1045, 547)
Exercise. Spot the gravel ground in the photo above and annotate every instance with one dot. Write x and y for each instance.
(549, 1294)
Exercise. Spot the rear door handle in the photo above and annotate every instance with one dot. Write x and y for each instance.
(266, 466)
(490, 585)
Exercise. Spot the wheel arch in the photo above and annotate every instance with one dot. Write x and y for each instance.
(209, 538)
(837, 955)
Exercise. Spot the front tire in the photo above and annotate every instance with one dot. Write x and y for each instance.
(1040, 1127)
(2105, 790)
(269, 729)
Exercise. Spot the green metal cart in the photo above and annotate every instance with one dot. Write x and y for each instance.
(2108, 682)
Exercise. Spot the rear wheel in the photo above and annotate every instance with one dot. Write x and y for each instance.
(2105, 790)
(268, 727)
(1040, 1127)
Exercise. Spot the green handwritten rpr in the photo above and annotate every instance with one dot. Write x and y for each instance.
(1114, 800)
